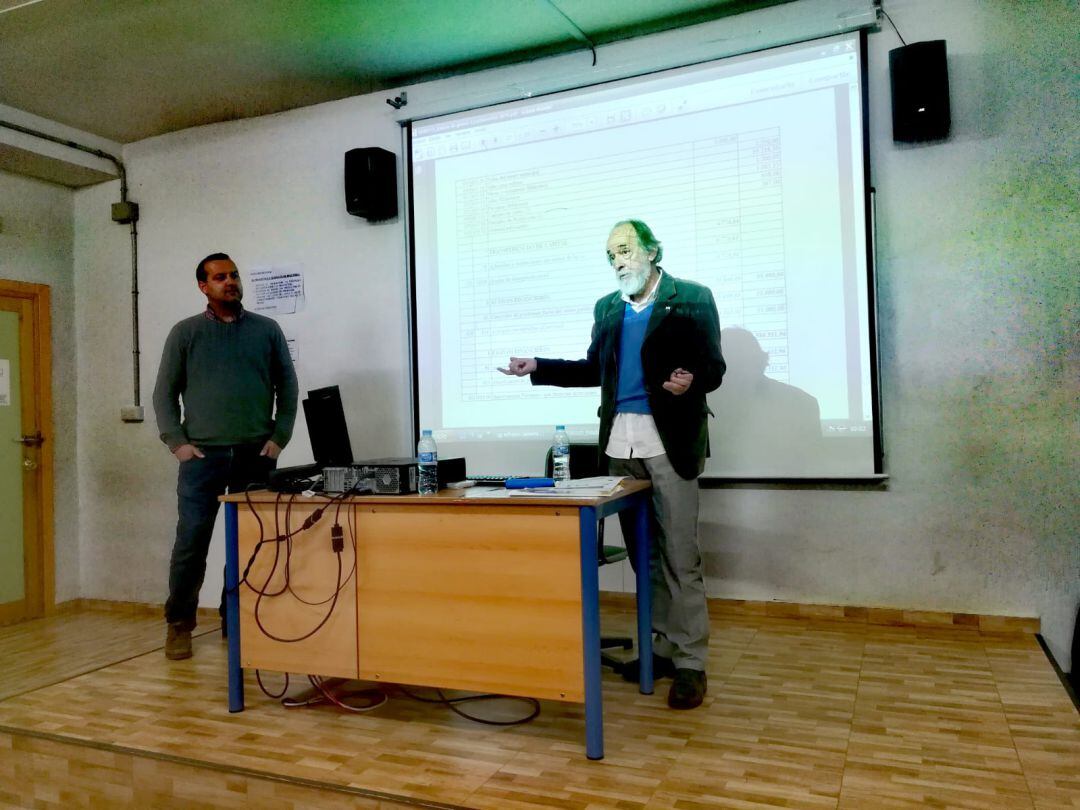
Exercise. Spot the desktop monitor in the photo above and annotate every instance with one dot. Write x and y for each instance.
(326, 427)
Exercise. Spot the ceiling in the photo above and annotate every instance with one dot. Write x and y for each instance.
(131, 69)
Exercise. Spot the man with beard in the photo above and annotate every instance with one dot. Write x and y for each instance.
(230, 367)
(655, 354)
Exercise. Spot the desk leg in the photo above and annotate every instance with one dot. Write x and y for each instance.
(232, 607)
(590, 622)
(644, 594)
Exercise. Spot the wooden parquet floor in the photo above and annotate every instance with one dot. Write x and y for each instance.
(800, 714)
(45, 651)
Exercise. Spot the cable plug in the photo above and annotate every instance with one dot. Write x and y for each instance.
(312, 519)
(337, 538)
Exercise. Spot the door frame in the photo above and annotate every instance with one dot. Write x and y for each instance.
(35, 363)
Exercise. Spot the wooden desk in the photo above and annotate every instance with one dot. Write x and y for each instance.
(489, 594)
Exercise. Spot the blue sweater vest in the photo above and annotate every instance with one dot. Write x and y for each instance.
(630, 396)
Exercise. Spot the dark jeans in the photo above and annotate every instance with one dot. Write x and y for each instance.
(199, 483)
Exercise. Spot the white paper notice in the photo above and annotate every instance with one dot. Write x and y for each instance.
(5, 382)
(278, 290)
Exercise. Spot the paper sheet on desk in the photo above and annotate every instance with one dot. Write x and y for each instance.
(575, 488)
(595, 487)
(485, 492)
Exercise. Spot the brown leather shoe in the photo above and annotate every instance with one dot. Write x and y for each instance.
(688, 689)
(177, 643)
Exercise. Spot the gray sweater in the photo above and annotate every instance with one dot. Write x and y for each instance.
(229, 376)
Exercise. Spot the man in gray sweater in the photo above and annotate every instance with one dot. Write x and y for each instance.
(230, 367)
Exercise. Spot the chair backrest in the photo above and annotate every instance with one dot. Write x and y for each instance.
(584, 461)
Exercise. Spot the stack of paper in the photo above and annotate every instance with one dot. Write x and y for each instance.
(575, 488)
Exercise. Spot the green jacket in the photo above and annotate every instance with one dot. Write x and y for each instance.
(683, 332)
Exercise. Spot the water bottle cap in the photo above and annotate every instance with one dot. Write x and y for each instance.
(425, 432)
(560, 427)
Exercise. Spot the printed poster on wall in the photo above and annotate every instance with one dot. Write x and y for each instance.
(278, 290)
(5, 382)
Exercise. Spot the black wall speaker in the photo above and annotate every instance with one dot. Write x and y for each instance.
(371, 183)
(919, 76)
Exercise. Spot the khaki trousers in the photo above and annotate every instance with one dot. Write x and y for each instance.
(680, 613)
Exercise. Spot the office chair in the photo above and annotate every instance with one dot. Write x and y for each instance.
(585, 463)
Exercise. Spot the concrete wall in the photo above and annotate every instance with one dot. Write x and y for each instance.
(36, 246)
(976, 323)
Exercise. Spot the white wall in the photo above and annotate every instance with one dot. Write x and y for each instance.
(268, 192)
(977, 284)
(979, 359)
(36, 246)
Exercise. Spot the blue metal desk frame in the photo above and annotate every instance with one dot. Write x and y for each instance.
(588, 515)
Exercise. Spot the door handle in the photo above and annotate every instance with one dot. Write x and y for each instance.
(31, 441)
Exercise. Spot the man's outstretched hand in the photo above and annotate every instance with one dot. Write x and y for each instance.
(679, 381)
(519, 366)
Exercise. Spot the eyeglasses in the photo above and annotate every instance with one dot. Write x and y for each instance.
(624, 252)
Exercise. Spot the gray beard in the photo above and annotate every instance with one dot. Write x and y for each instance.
(633, 284)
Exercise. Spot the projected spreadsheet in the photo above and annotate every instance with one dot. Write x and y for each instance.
(505, 299)
(749, 172)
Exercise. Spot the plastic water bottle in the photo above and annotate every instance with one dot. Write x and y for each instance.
(427, 454)
(560, 454)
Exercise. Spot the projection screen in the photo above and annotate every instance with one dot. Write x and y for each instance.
(752, 173)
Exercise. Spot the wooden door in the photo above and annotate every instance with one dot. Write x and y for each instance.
(26, 560)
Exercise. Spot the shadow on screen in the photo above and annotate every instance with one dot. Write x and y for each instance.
(763, 427)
